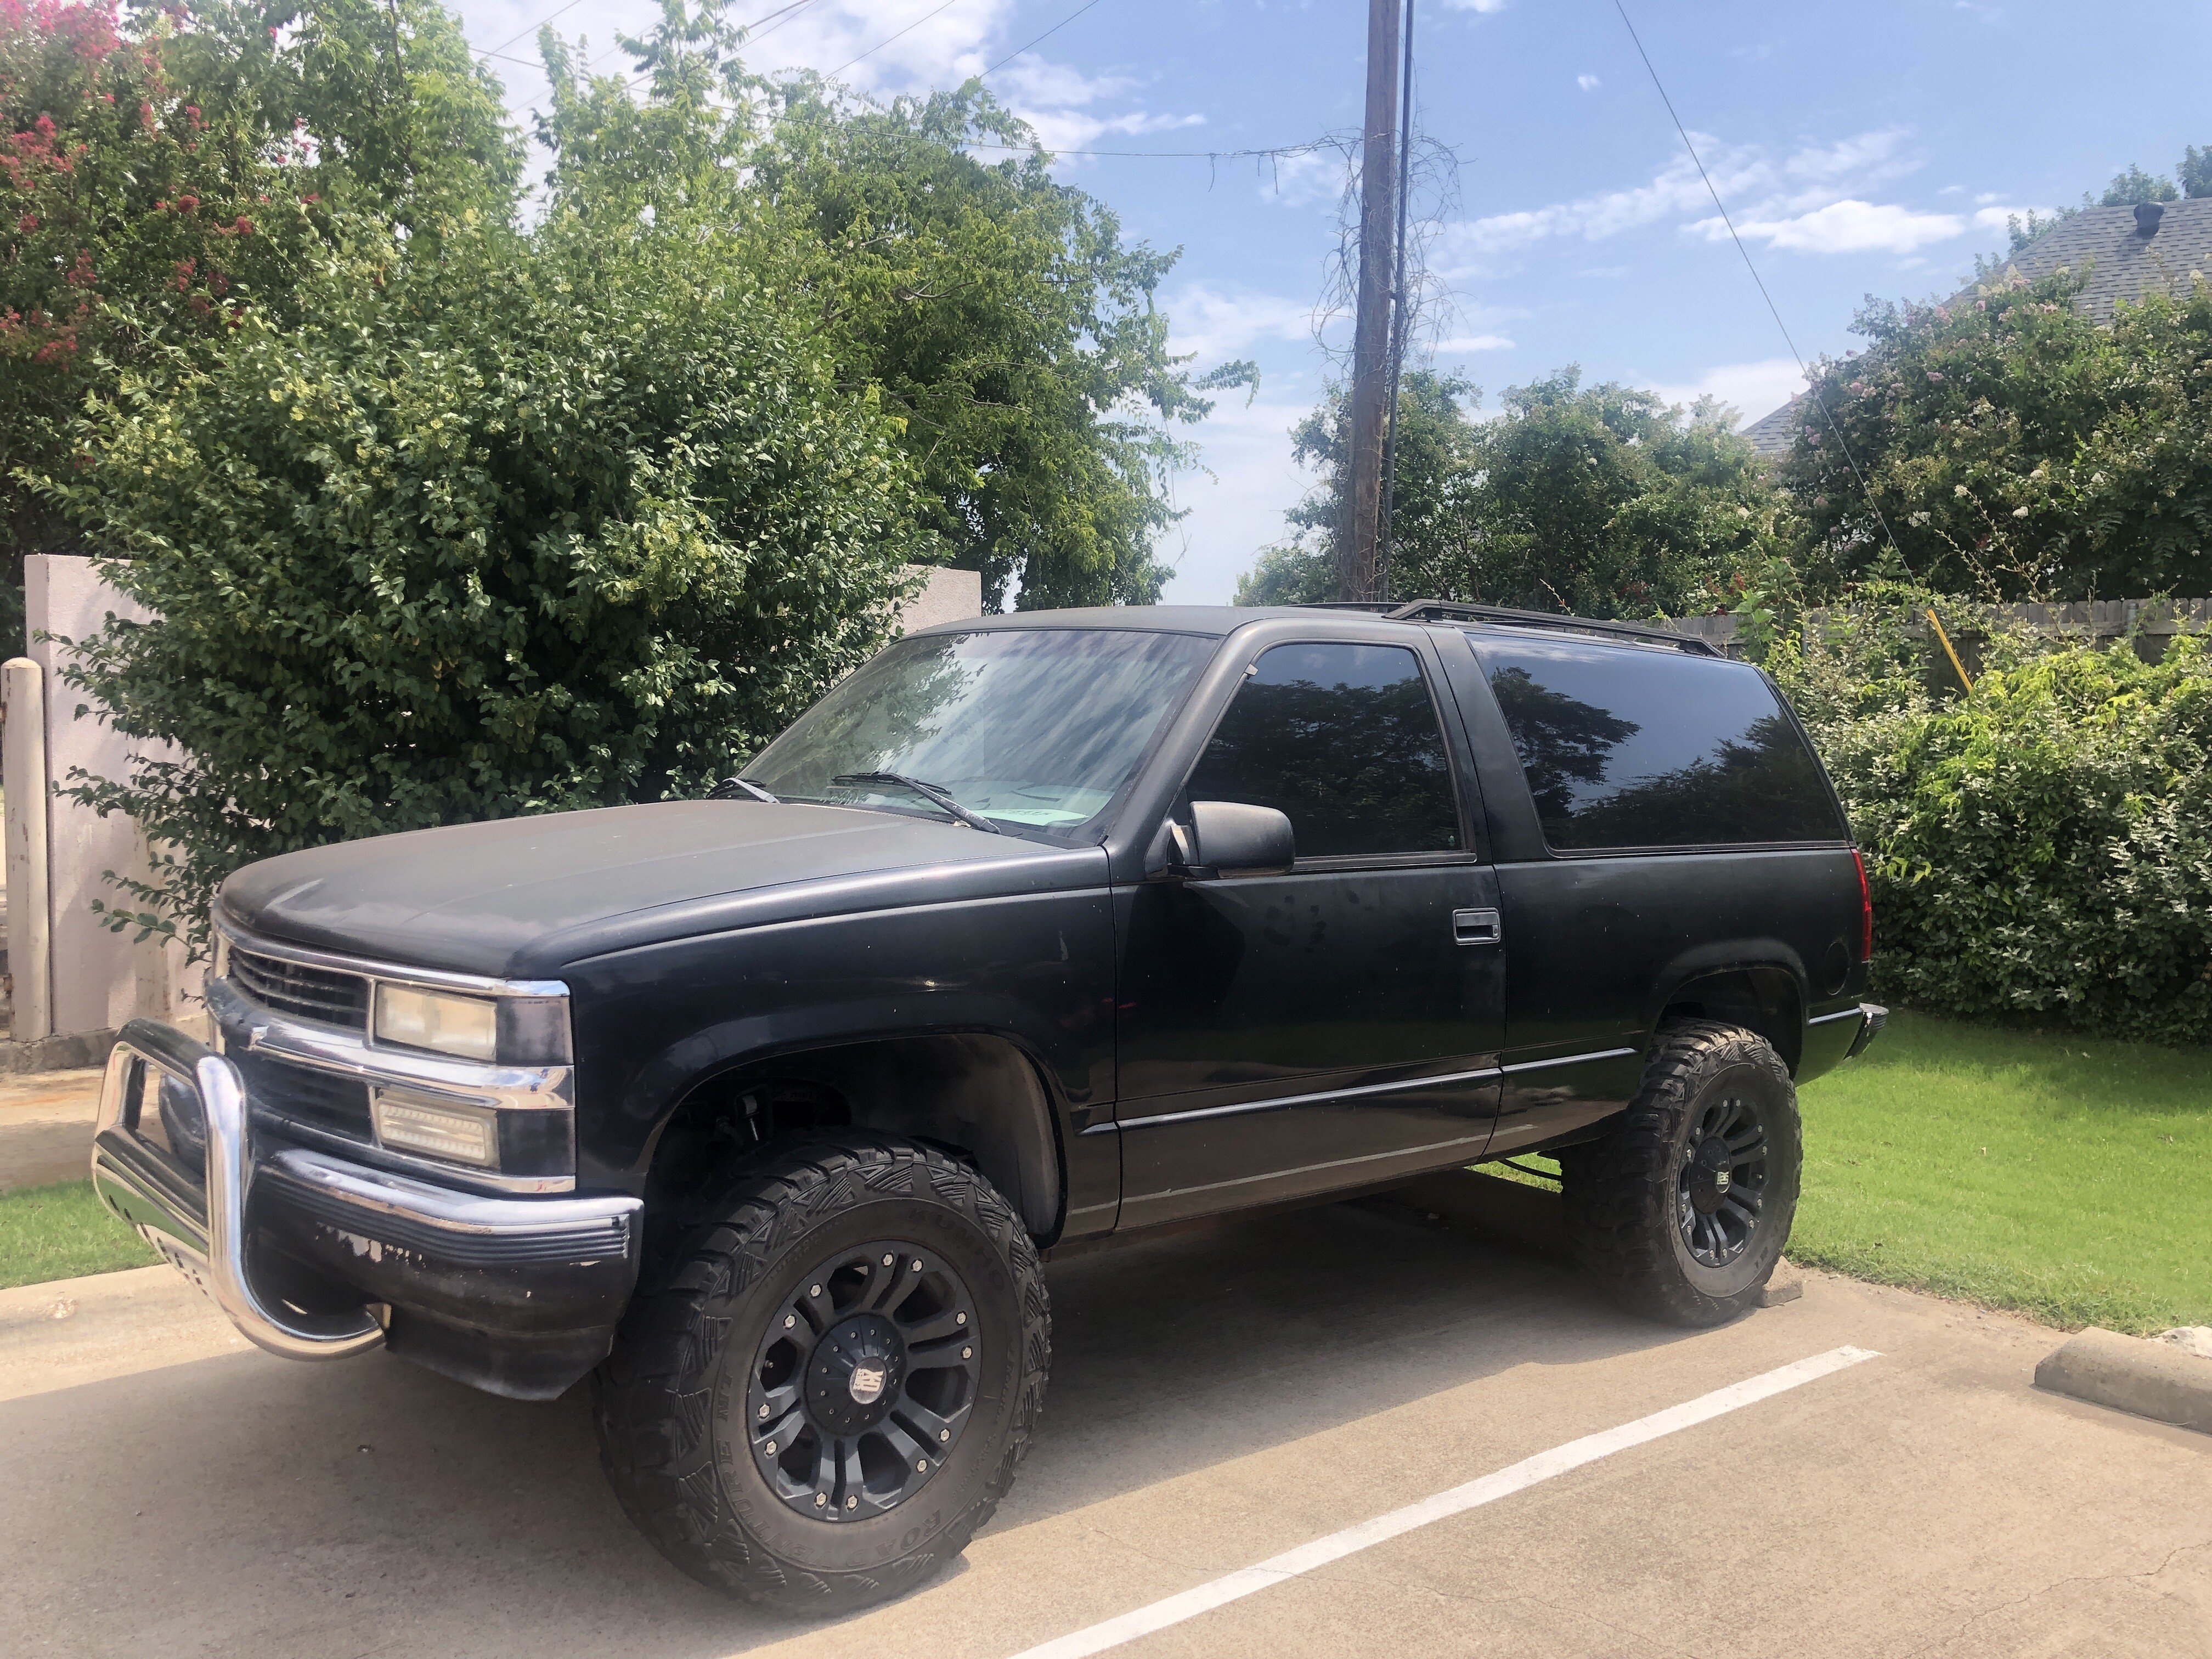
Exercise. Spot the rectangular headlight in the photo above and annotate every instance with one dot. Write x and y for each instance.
(436, 1020)
(408, 1122)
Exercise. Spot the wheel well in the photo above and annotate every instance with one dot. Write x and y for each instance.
(978, 1097)
(1764, 1000)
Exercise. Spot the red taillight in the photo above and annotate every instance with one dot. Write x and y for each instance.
(1866, 909)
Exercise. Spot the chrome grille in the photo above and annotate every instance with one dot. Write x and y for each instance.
(291, 987)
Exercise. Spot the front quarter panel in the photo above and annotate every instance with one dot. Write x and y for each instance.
(1034, 966)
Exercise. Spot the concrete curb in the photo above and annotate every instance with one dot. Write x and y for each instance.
(72, 1053)
(2151, 1379)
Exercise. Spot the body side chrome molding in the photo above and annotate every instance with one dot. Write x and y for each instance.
(1321, 1097)
(1281, 1101)
(1847, 1013)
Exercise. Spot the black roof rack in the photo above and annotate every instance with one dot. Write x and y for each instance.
(1454, 611)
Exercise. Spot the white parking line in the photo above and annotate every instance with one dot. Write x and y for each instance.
(1232, 1587)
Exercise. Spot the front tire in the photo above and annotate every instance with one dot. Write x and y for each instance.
(1682, 1211)
(829, 1386)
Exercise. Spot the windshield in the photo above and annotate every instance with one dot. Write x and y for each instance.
(1034, 728)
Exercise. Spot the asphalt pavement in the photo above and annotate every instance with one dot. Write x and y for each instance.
(1257, 1394)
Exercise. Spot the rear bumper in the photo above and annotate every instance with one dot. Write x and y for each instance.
(314, 1257)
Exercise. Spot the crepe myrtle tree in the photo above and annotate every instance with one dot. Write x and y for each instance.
(166, 169)
(506, 524)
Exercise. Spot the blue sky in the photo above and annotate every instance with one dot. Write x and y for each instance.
(1869, 147)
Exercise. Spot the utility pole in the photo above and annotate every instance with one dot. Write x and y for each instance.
(1356, 573)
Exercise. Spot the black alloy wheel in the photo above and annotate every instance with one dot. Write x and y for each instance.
(1722, 1184)
(863, 1380)
(1680, 1211)
(825, 1388)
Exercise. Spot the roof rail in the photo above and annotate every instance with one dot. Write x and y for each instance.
(1454, 611)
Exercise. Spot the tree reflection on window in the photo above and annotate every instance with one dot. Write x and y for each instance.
(1343, 740)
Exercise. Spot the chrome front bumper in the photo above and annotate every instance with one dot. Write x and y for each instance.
(184, 1179)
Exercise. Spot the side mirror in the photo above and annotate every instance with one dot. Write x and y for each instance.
(1228, 837)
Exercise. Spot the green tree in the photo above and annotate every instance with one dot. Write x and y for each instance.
(2134, 185)
(1000, 314)
(504, 525)
(170, 170)
(1603, 501)
(2016, 449)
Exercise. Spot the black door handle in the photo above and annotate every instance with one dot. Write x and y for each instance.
(1477, 927)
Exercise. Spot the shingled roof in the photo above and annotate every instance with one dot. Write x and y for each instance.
(2123, 263)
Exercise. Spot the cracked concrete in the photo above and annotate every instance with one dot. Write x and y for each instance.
(1217, 1398)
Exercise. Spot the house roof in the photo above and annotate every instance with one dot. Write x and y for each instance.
(2122, 264)
(1772, 434)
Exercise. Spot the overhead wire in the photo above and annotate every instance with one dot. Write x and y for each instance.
(1047, 35)
(1811, 390)
(888, 38)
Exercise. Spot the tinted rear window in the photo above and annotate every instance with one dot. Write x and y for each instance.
(1628, 747)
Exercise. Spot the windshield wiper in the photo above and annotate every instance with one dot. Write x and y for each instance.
(740, 789)
(936, 795)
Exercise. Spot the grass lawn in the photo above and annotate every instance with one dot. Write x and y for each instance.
(2066, 1177)
(61, 1231)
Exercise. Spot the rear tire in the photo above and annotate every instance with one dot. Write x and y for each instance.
(791, 1420)
(1682, 1211)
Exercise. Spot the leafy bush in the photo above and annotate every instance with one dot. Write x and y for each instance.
(2016, 448)
(2041, 848)
(505, 525)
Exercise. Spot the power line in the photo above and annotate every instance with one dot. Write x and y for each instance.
(1053, 30)
(888, 38)
(494, 51)
(1811, 391)
(1305, 149)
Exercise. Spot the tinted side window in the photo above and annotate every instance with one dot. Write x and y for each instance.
(1343, 739)
(1627, 747)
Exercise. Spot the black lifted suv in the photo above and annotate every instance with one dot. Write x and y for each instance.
(1038, 932)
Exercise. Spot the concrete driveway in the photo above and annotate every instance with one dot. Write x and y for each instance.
(1217, 1399)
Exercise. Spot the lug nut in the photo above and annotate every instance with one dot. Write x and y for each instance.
(967, 1353)
(945, 1434)
(789, 1320)
(921, 1463)
(770, 1449)
(852, 1503)
(960, 1319)
(764, 1414)
(917, 1267)
(890, 1259)
(820, 1499)
(817, 1291)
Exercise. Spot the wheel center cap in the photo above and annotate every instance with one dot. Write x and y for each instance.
(1711, 1173)
(855, 1374)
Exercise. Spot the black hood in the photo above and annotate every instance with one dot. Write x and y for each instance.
(522, 897)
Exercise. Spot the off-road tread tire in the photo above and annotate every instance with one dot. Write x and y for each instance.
(1619, 1191)
(652, 1397)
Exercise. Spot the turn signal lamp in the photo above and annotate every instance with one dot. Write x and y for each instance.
(408, 1122)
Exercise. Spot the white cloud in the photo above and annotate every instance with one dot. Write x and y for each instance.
(1479, 7)
(1751, 389)
(1217, 323)
(1238, 509)
(1850, 226)
(1462, 342)
(1589, 82)
(1774, 190)
(1993, 218)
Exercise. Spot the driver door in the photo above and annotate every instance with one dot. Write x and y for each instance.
(1338, 1025)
